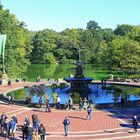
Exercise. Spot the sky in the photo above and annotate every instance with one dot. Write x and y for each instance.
(61, 14)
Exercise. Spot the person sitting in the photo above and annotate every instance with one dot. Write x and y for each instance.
(9, 83)
(28, 100)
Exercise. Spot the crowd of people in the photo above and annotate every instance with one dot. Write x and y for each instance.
(30, 130)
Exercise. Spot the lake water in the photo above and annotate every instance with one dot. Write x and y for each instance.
(46, 71)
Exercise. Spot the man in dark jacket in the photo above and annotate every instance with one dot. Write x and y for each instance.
(66, 123)
(29, 132)
(24, 131)
(135, 124)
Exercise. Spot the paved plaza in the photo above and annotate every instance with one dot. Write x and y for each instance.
(106, 124)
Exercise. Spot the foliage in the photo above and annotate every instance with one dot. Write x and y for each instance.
(123, 53)
(54, 86)
(63, 85)
(116, 50)
(18, 47)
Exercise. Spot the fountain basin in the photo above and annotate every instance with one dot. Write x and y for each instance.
(85, 80)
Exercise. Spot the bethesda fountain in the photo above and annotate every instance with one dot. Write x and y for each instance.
(79, 83)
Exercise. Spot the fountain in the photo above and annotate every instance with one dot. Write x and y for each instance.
(79, 83)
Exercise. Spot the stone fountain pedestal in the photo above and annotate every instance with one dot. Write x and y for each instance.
(79, 83)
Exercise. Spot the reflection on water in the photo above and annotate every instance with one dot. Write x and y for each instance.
(100, 94)
(46, 71)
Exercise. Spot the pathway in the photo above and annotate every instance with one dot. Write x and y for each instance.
(109, 124)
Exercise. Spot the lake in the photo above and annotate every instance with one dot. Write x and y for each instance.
(56, 71)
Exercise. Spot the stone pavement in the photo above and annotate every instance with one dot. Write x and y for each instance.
(109, 124)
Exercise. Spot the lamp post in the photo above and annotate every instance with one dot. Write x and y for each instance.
(2, 52)
(79, 54)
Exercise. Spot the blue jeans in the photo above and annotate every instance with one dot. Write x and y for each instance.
(35, 126)
(66, 130)
(29, 137)
(89, 116)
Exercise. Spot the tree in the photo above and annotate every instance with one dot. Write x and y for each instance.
(16, 60)
(43, 42)
(124, 29)
(123, 53)
(49, 58)
(92, 25)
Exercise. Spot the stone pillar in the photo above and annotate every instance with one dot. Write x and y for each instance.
(4, 79)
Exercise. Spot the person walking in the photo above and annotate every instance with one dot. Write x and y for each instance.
(135, 124)
(89, 113)
(47, 106)
(66, 123)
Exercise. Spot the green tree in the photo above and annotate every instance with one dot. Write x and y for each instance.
(43, 42)
(123, 53)
(92, 25)
(123, 29)
(17, 44)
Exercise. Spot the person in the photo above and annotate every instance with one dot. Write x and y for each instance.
(39, 78)
(122, 102)
(6, 127)
(85, 104)
(35, 121)
(67, 105)
(58, 102)
(42, 132)
(12, 99)
(135, 124)
(66, 123)
(102, 81)
(70, 103)
(3, 119)
(28, 100)
(24, 131)
(29, 132)
(47, 106)
(40, 102)
(35, 135)
(54, 95)
(27, 121)
(9, 83)
(89, 113)
(80, 104)
(12, 125)
(16, 121)
(9, 100)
